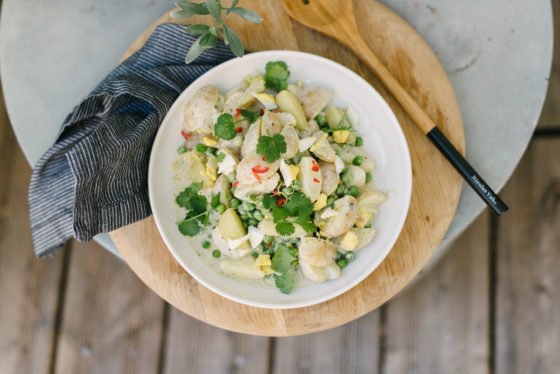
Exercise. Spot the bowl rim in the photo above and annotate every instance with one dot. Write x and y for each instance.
(275, 55)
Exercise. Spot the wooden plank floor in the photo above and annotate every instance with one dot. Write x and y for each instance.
(491, 306)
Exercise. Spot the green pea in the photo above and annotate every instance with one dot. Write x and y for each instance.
(345, 170)
(369, 177)
(367, 226)
(254, 197)
(359, 141)
(248, 206)
(245, 223)
(201, 148)
(235, 203)
(353, 191)
(206, 244)
(181, 149)
(216, 253)
(349, 256)
(287, 190)
(330, 201)
(358, 160)
(254, 254)
(212, 151)
(258, 215)
(340, 190)
(342, 263)
(220, 157)
(293, 251)
(221, 208)
(339, 255)
(253, 222)
(346, 179)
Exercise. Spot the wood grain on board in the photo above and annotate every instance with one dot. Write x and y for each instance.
(28, 287)
(352, 348)
(528, 259)
(207, 349)
(441, 325)
(111, 323)
(436, 186)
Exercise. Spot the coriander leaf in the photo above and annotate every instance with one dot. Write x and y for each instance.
(215, 200)
(247, 14)
(249, 115)
(285, 282)
(276, 75)
(233, 41)
(225, 127)
(282, 259)
(285, 228)
(271, 147)
(183, 198)
(306, 224)
(279, 214)
(268, 201)
(299, 205)
(190, 227)
(198, 29)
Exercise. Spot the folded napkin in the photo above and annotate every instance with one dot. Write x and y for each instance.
(94, 178)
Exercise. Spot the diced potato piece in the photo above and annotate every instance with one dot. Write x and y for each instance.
(322, 148)
(310, 177)
(336, 119)
(357, 176)
(199, 110)
(313, 273)
(340, 224)
(243, 268)
(314, 100)
(287, 102)
(198, 169)
(231, 227)
(363, 218)
(330, 177)
(365, 236)
(370, 200)
(317, 252)
(269, 228)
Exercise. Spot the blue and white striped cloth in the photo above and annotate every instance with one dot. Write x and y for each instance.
(94, 178)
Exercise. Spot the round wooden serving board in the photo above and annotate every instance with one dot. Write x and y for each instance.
(436, 186)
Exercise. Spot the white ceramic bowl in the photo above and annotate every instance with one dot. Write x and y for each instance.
(383, 139)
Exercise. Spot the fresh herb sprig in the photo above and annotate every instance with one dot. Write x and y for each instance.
(282, 265)
(271, 147)
(197, 212)
(210, 34)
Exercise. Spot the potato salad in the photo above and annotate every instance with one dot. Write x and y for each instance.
(272, 181)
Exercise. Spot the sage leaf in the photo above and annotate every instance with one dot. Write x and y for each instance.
(195, 51)
(194, 8)
(181, 14)
(233, 41)
(247, 15)
(198, 29)
(215, 9)
(208, 40)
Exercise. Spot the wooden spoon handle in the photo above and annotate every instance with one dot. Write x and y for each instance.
(414, 111)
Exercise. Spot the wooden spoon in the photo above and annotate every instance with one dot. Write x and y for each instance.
(336, 19)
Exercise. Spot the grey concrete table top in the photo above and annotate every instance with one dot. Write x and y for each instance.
(497, 53)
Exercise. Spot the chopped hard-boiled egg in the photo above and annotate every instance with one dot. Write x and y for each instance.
(329, 212)
(267, 269)
(363, 218)
(319, 143)
(306, 143)
(210, 141)
(263, 260)
(267, 100)
(338, 164)
(212, 173)
(349, 241)
(321, 202)
(340, 136)
(228, 164)
(289, 172)
(256, 236)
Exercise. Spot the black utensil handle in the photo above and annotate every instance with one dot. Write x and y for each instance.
(467, 171)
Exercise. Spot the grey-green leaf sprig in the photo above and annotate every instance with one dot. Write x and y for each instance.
(208, 34)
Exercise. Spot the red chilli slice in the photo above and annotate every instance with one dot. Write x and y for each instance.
(239, 129)
(316, 180)
(237, 113)
(315, 167)
(185, 135)
(235, 184)
(280, 202)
